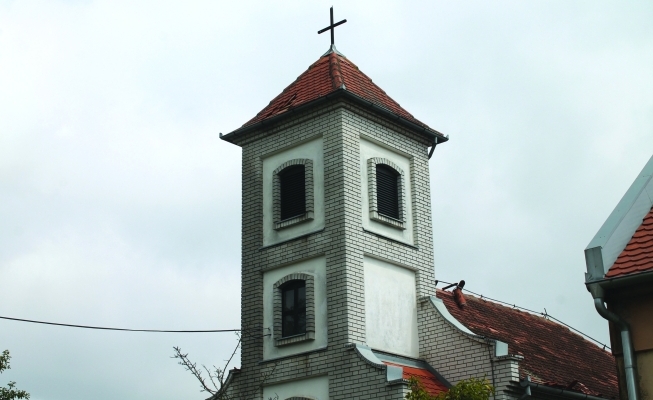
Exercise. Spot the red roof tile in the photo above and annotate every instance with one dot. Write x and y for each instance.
(430, 383)
(331, 72)
(638, 254)
(553, 355)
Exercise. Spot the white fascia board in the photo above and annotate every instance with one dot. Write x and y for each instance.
(394, 373)
(501, 349)
(442, 309)
(368, 355)
(618, 229)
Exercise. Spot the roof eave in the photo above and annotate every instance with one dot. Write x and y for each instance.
(616, 282)
(431, 134)
(555, 391)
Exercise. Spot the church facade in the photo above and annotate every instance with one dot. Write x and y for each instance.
(338, 287)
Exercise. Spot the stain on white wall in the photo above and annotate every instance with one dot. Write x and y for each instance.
(390, 307)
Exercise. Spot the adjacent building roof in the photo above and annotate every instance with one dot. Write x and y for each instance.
(553, 355)
(625, 227)
(429, 382)
(638, 254)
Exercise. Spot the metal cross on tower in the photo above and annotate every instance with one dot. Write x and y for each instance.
(332, 27)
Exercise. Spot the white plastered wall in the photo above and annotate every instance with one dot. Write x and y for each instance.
(315, 267)
(313, 388)
(390, 308)
(369, 150)
(313, 151)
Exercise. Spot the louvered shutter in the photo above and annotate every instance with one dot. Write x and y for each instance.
(387, 191)
(292, 187)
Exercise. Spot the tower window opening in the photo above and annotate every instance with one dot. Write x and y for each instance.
(292, 187)
(387, 191)
(293, 308)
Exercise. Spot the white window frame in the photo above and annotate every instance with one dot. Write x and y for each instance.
(371, 188)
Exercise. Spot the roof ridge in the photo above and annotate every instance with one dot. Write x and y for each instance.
(379, 87)
(335, 72)
(371, 80)
(513, 308)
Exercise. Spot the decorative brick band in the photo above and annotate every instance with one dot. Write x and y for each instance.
(299, 398)
(308, 186)
(309, 281)
(371, 189)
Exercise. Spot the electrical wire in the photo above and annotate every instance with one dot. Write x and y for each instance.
(544, 314)
(120, 329)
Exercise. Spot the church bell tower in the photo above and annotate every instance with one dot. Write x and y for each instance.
(337, 243)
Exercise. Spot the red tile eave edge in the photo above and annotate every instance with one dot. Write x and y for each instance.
(628, 271)
(635, 257)
(430, 133)
(617, 279)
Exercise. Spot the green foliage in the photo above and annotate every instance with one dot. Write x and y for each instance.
(467, 389)
(417, 391)
(10, 392)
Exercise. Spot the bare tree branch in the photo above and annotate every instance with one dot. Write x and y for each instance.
(192, 367)
(211, 376)
(221, 374)
(233, 353)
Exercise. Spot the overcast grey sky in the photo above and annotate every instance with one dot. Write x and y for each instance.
(120, 206)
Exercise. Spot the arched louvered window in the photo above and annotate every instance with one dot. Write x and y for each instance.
(386, 185)
(292, 192)
(293, 308)
(387, 191)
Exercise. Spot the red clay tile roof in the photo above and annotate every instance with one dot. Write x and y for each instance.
(430, 383)
(638, 254)
(553, 355)
(328, 74)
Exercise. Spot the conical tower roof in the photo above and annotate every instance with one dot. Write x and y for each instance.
(334, 74)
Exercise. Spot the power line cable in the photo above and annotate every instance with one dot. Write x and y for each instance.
(120, 329)
(544, 314)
